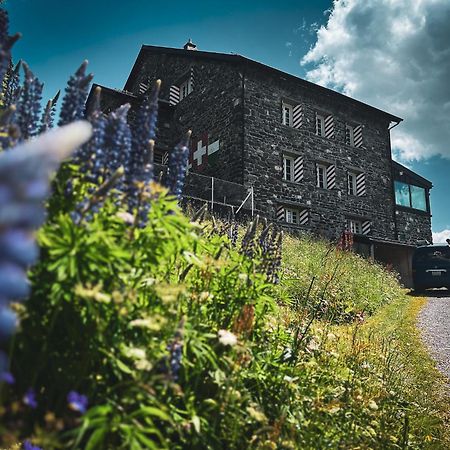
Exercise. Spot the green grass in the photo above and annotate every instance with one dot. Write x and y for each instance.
(422, 384)
(375, 325)
(336, 285)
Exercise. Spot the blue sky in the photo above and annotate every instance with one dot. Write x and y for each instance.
(59, 34)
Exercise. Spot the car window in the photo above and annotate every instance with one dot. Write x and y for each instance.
(432, 255)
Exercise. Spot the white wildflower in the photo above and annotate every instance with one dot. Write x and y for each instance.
(126, 217)
(227, 338)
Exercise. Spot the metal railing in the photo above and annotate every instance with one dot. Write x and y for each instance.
(215, 191)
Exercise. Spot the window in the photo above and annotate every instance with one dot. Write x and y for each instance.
(288, 168)
(410, 196)
(325, 176)
(349, 135)
(291, 215)
(355, 226)
(320, 125)
(351, 183)
(185, 88)
(287, 114)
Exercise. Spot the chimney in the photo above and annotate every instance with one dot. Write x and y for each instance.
(189, 45)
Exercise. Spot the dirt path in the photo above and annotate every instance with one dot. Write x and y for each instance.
(434, 323)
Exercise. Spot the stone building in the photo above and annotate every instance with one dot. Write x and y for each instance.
(315, 159)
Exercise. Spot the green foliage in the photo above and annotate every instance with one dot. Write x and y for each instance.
(112, 303)
(333, 284)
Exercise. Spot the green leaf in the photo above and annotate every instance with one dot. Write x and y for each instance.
(96, 439)
(196, 423)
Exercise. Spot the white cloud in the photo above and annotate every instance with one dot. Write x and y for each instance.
(395, 55)
(439, 237)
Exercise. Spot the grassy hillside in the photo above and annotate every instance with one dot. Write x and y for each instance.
(372, 378)
(337, 285)
(179, 339)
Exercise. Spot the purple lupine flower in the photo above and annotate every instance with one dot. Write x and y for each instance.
(91, 156)
(77, 402)
(18, 246)
(144, 131)
(49, 114)
(27, 445)
(139, 167)
(248, 241)
(76, 92)
(13, 281)
(6, 43)
(29, 104)
(24, 185)
(178, 161)
(176, 353)
(118, 139)
(7, 377)
(12, 88)
(30, 398)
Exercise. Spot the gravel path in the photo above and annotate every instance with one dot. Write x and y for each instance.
(434, 323)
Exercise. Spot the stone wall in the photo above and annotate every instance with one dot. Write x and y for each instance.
(267, 139)
(213, 110)
(413, 226)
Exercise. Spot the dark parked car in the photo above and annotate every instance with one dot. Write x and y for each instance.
(431, 267)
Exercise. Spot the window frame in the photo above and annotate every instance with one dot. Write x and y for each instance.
(290, 108)
(351, 130)
(354, 226)
(294, 214)
(320, 118)
(410, 197)
(291, 160)
(187, 85)
(320, 166)
(351, 184)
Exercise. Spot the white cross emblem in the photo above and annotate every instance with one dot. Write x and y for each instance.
(198, 154)
(213, 148)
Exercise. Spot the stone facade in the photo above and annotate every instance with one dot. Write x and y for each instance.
(234, 107)
(267, 140)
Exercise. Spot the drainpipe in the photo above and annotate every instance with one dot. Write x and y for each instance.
(392, 181)
(242, 66)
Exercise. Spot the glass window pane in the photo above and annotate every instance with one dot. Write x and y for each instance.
(418, 198)
(402, 194)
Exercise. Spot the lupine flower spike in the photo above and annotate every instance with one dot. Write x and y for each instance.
(91, 155)
(248, 242)
(24, 185)
(6, 43)
(77, 402)
(72, 107)
(176, 351)
(178, 160)
(27, 445)
(49, 113)
(12, 88)
(144, 131)
(94, 202)
(117, 141)
(30, 398)
(10, 131)
(29, 105)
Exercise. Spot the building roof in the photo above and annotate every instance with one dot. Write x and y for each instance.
(242, 60)
(121, 97)
(400, 171)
